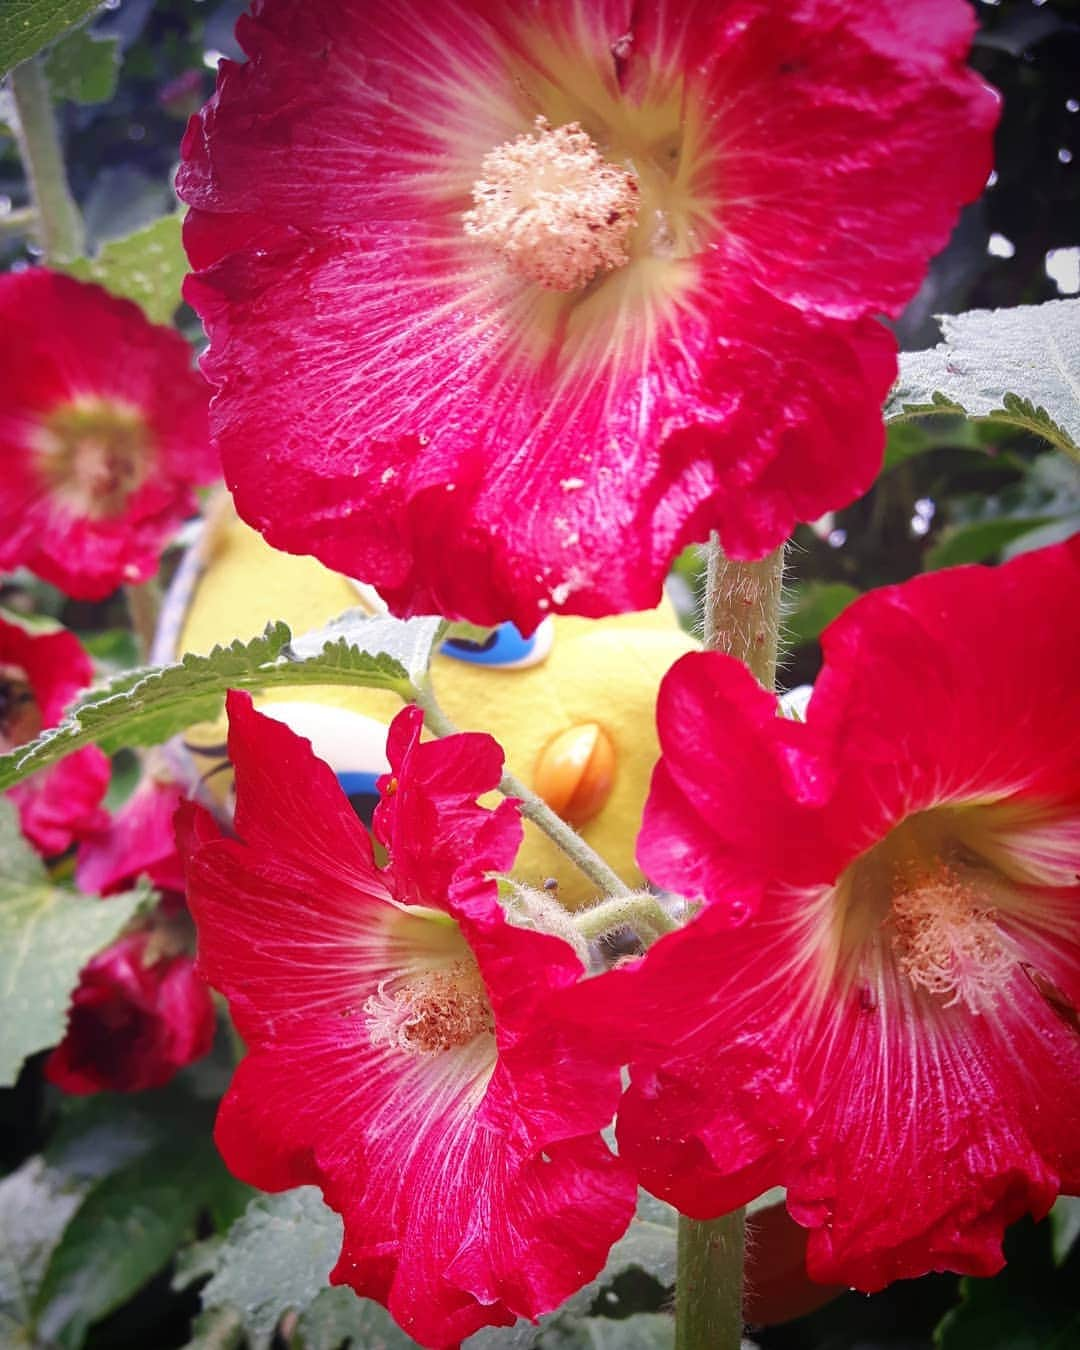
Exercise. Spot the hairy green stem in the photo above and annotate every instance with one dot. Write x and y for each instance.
(708, 1291)
(742, 618)
(587, 860)
(742, 610)
(59, 226)
(637, 910)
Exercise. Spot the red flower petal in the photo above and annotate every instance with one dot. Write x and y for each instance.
(457, 1148)
(878, 1005)
(82, 508)
(40, 674)
(397, 401)
(138, 840)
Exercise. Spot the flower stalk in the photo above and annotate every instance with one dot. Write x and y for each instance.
(59, 226)
(586, 859)
(742, 619)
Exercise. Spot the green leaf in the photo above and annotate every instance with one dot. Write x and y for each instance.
(642, 1331)
(47, 935)
(810, 607)
(276, 1258)
(408, 642)
(83, 67)
(1064, 1221)
(123, 1233)
(978, 541)
(338, 1318)
(96, 1136)
(27, 25)
(907, 440)
(146, 707)
(1019, 367)
(148, 267)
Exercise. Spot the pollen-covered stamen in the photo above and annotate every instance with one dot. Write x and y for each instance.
(553, 208)
(96, 454)
(947, 941)
(436, 1010)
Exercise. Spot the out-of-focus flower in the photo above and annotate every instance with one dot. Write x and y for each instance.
(136, 1018)
(103, 433)
(139, 840)
(41, 672)
(878, 1005)
(403, 1054)
(508, 302)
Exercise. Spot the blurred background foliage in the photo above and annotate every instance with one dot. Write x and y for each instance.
(950, 492)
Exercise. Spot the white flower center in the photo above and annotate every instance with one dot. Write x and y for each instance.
(94, 455)
(435, 1010)
(947, 941)
(553, 208)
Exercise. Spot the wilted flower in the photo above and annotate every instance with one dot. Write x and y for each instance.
(41, 672)
(878, 1005)
(103, 433)
(403, 1054)
(136, 1018)
(509, 302)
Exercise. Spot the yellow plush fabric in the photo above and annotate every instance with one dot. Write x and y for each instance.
(598, 671)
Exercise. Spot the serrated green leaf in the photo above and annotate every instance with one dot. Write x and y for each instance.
(83, 67)
(125, 1231)
(810, 606)
(409, 642)
(147, 266)
(276, 1258)
(146, 707)
(47, 935)
(27, 25)
(1019, 367)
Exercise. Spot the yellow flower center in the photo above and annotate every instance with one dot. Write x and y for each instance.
(95, 454)
(553, 208)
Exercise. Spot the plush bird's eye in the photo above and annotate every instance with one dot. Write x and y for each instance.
(353, 745)
(504, 647)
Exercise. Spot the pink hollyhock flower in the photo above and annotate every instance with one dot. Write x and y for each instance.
(135, 1020)
(139, 840)
(403, 1052)
(40, 674)
(878, 1005)
(509, 301)
(103, 430)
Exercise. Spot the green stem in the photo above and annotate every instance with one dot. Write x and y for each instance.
(742, 618)
(708, 1292)
(144, 605)
(20, 221)
(534, 808)
(59, 224)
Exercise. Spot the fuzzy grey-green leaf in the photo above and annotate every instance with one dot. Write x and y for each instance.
(1018, 366)
(47, 935)
(276, 1258)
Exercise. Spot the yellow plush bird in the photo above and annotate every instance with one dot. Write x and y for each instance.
(573, 707)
